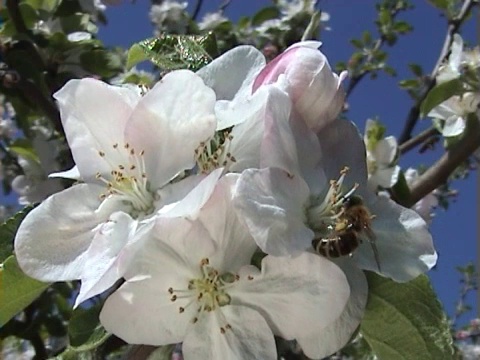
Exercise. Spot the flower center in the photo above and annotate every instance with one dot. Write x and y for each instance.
(208, 292)
(128, 180)
(325, 213)
(215, 153)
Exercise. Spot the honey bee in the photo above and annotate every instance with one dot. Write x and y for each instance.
(351, 228)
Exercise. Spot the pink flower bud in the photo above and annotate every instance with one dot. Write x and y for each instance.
(462, 335)
(304, 73)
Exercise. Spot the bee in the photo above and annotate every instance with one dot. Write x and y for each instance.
(351, 228)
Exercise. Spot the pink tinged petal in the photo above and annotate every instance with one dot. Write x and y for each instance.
(248, 338)
(337, 334)
(342, 139)
(170, 122)
(103, 266)
(404, 243)
(234, 245)
(233, 73)
(191, 204)
(52, 242)
(313, 87)
(272, 204)
(94, 115)
(299, 297)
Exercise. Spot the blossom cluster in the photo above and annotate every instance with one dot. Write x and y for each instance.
(452, 114)
(231, 203)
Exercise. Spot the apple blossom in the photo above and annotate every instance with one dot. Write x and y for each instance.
(285, 211)
(425, 205)
(193, 283)
(381, 155)
(127, 149)
(170, 16)
(454, 113)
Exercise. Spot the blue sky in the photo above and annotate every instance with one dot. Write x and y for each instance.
(454, 231)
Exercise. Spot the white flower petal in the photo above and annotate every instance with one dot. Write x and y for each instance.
(94, 115)
(386, 150)
(249, 337)
(272, 202)
(166, 260)
(170, 122)
(336, 335)
(454, 126)
(195, 199)
(402, 239)
(297, 296)
(386, 178)
(52, 241)
(102, 266)
(234, 244)
(73, 173)
(342, 138)
(232, 74)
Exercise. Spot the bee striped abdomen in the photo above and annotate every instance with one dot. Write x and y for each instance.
(340, 245)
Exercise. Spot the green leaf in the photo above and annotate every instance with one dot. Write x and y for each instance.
(172, 52)
(17, 290)
(135, 55)
(416, 69)
(408, 83)
(440, 93)
(401, 191)
(405, 321)
(441, 4)
(84, 329)
(265, 14)
(8, 230)
(101, 62)
(46, 5)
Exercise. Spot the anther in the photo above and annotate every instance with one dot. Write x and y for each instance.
(181, 309)
(101, 153)
(174, 297)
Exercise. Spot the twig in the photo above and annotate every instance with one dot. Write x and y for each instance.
(224, 5)
(417, 140)
(16, 16)
(439, 172)
(453, 27)
(196, 11)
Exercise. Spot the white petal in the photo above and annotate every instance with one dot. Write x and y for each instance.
(249, 337)
(272, 203)
(234, 244)
(73, 173)
(336, 335)
(52, 241)
(233, 72)
(170, 122)
(454, 126)
(386, 150)
(342, 146)
(102, 266)
(94, 115)
(385, 177)
(297, 296)
(195, 199)
(144, 302)
(403, 241)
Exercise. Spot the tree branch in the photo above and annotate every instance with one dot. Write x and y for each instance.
(439, 172)
(417, 140)
(453, 27)
(196, 11)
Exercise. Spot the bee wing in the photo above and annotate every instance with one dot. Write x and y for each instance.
(371, 239)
